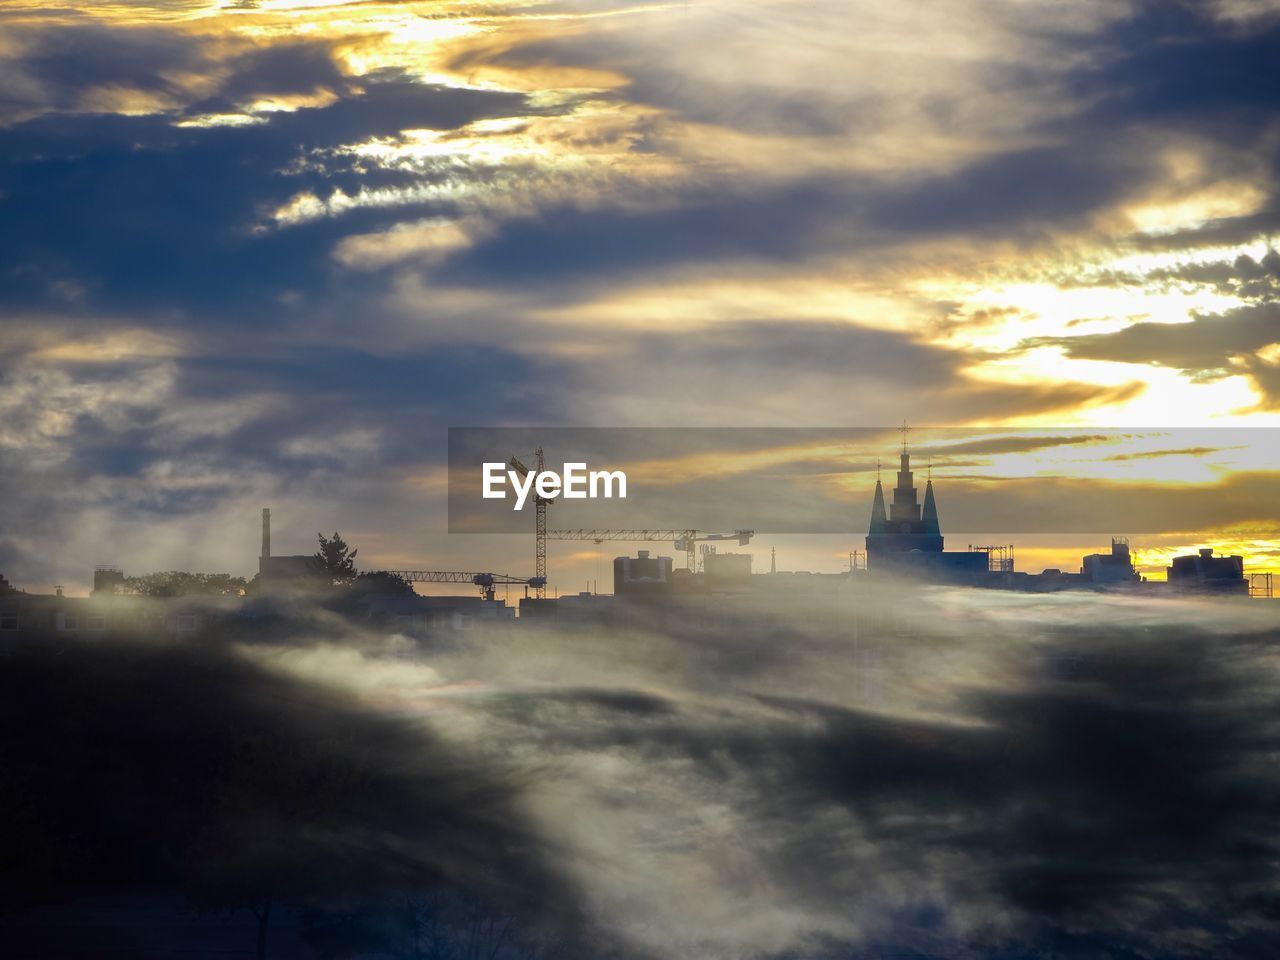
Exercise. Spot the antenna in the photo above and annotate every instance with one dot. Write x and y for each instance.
(904, 430)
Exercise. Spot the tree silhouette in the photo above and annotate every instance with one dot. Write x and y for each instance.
(336, 560)
(382, 582)
(179, 583)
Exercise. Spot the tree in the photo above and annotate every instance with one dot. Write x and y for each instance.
(382, 582)
(335, 559)
(179, 583)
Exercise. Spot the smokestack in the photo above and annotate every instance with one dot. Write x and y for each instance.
(266, 532)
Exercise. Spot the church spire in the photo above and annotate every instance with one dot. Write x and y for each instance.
(879, 520)
(930, 513)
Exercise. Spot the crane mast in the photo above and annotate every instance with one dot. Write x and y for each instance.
(540, 527)
(686, 540)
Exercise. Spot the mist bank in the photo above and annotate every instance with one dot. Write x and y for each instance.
(992, 775)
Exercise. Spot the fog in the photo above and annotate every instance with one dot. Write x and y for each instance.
(993, 775)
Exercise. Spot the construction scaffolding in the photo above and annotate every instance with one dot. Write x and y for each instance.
(999, 556)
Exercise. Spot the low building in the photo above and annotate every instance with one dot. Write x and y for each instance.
(288, 568)
(584, 607)
(640, 576)
(1114, 567)
(726, 571)
(1202, 572)
(538, 609)
(285, 569)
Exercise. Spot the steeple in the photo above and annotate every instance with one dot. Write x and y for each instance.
(905, 507)
(904, 526)
(930, 513)
(879, 520)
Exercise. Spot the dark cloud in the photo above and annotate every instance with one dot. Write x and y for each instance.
(1181, 62)
(59, 66)
(1158, 77)
(1180, 70)
(1018, 194)
(1092, 161)
(280, 68)
(1157, 454)
(1022, 194)
(1205, 347)
(1015, 196)
(997, 445)
(827, 373)
(1243, 277)
(144, 216)
(65, 63)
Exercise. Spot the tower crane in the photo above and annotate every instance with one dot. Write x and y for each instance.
(485, 581)
(540, 527)
(685, 540)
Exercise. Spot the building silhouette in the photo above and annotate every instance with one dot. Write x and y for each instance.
(274, 569)
(1114, 567)
(907, 537)
(1202, 572)
(907, 525)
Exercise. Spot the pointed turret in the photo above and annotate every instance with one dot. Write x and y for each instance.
(879, 520)
(906, 527)
(930, 514)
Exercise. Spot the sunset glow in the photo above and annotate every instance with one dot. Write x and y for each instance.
(971, 217)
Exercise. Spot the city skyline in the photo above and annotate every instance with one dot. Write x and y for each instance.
(1093, 503)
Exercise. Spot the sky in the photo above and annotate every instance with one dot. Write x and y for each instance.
(265, 254)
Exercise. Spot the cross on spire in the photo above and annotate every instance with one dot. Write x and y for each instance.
(904, 430)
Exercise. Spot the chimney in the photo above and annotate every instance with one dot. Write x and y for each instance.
(266, 532)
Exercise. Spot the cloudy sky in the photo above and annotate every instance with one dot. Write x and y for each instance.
(266, 253)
